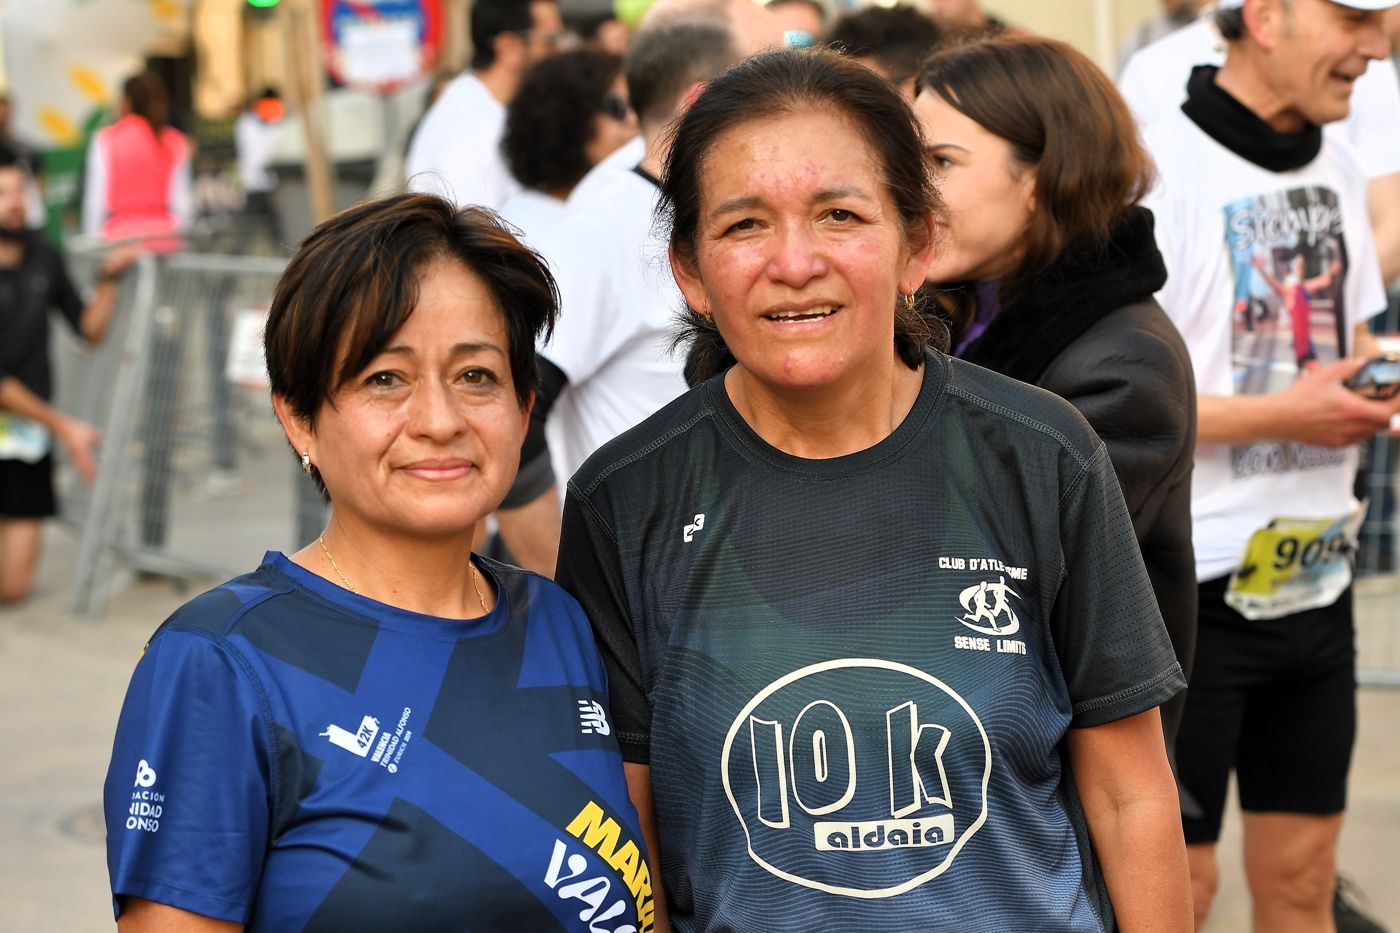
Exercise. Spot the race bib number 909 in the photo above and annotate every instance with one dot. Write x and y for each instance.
(1293, 565)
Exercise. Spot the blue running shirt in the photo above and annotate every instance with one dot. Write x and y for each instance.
(293, 756)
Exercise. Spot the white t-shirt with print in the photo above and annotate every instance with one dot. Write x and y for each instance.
(1154, 83)
(617, 310)
(1220, 218)
(456, 151)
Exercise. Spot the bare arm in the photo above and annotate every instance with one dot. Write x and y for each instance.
(639, 789)
(98, 312)
(78, 438)
(1129, 797)
(141, 916)
(1383, 199)
(1316, 409)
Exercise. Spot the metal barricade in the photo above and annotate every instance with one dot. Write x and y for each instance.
(1378, 572)
(195, 479)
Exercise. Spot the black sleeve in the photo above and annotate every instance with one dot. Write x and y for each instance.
(62, 294)
(590, 570)
(1138, 393)
(1114, 651)
(536, 473)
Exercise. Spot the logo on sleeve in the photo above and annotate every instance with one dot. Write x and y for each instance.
(147, 806)
(145, 774)
(688, 533)
(592, 718)
(857, 776)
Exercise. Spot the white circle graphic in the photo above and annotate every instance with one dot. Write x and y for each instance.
(895, 887)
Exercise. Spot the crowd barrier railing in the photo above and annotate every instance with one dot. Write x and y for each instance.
(1378, 573)
(195, 479)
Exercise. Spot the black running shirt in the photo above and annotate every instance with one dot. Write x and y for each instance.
(851, 677)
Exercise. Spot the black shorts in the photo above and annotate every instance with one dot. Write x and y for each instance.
(26, 489)
(1276, 701)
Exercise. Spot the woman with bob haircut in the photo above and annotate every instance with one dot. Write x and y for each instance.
(1049, 266)
(383, 731)
(881, 650)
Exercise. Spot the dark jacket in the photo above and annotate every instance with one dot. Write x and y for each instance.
(1090, 331)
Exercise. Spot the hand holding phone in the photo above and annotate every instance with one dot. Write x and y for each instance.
(1378, 378)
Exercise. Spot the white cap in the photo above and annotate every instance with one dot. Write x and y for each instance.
(1354, 4)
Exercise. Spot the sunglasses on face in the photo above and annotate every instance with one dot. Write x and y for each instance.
(615, 107)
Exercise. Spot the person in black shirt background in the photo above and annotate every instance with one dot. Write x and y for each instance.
(33, 280)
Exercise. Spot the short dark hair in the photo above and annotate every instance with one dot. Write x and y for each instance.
(665, 59)
(491, 18)
(1229, 23)
(1064, 120)
(774, 84)
(353, 283)
(9, 158)
(897, 37)
(550, 120)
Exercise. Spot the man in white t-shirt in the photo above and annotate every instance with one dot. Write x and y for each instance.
(456, 151)
(609, 364)
(1272, 273)
(1154, 83)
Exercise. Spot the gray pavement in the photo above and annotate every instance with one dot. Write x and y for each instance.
(63, 680)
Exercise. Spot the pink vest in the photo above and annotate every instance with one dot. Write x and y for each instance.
(140, 167)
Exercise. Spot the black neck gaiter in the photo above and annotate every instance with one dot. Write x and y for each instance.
(1239, 129)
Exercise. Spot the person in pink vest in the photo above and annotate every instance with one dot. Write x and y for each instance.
(138, 172)
(138, 187)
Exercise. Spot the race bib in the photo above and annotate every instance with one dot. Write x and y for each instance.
(23, 439)
(1294, 564)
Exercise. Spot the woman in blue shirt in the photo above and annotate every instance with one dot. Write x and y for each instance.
(382, 731)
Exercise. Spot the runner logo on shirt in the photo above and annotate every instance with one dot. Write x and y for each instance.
(1288, 260)
(988, 610)
(841, 776)
(357, 742)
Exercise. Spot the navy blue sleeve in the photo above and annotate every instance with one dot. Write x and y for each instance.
(187, 797)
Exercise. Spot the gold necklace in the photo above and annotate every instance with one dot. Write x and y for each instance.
(471, 571)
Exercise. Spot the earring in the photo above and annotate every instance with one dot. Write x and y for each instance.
(306, 461)
(705, 311)
(909, 303)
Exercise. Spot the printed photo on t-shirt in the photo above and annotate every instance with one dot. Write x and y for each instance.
(1288, 258)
